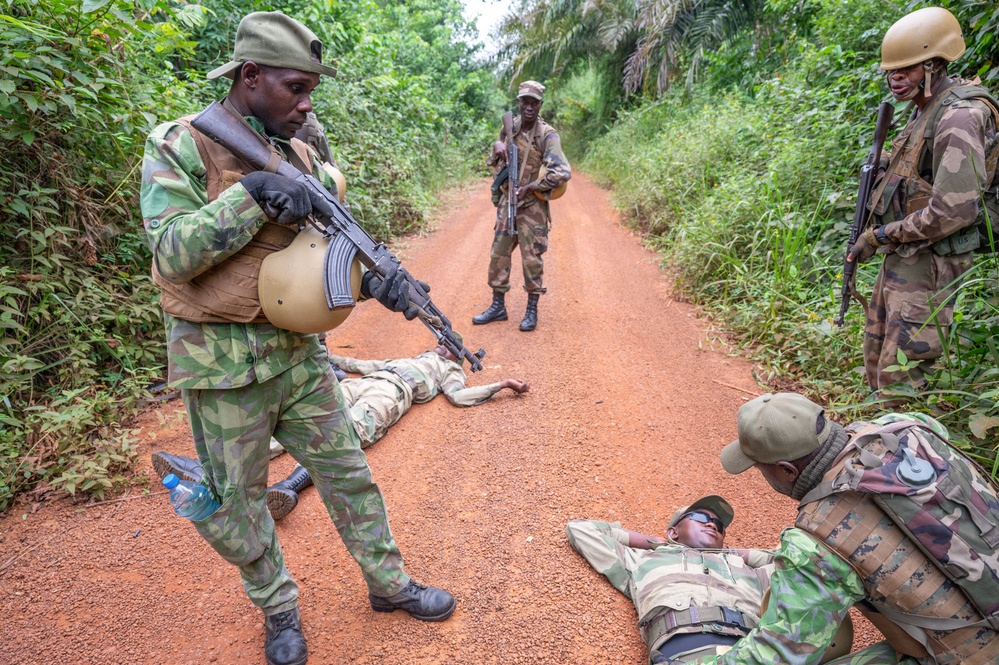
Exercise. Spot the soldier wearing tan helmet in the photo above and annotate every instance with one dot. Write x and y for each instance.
(926, 208)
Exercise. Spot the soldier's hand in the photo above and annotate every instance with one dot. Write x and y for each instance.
(515, 385)
(392, 291)
(499, 148)
(282, 199)
(526, 189)
(864, 248)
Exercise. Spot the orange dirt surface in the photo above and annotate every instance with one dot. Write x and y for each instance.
(631, 400)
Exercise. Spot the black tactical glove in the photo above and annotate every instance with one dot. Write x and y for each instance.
(282, 199)
(393, 292)
(865, 247)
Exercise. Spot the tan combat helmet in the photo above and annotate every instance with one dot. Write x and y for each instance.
(931, 32)
(291, 286)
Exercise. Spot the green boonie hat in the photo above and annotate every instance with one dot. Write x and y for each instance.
(712, 502)
(531, 89)
(275, 40)
(775, 428)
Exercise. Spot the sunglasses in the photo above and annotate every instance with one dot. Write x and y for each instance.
(703, 518)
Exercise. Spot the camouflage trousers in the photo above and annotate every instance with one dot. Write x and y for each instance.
(531, 225)
(881, 653)
(304, 410)
(377, 401)
(906, 293)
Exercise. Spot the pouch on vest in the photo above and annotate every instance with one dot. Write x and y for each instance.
(936, 497)
(891, 206)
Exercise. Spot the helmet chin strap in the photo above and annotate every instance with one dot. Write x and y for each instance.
(927, 83)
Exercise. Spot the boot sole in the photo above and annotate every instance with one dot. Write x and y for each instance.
(164, 468)
(281, 502)
(482, 323)
(523, 329)
(422, 617)
(297, 662)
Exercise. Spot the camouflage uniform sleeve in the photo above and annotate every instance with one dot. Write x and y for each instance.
(557, 169)
(599, 543)
(355, 366)
(812, 590)
(186, 233)
(472, 396)
(958, 176)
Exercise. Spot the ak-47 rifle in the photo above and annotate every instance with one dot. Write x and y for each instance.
(513, 172)
(347, 239)
(861, 216)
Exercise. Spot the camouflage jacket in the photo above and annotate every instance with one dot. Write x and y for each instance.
(188, 234)
(941, 193)
(428, 375)
(541, 149)
(812, 591)
(673, 576)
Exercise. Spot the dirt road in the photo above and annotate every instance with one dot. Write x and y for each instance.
(628, 409)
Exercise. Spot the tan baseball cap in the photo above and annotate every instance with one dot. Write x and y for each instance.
(712, 502)
(275, 40)
(531, 89)
(775, 428)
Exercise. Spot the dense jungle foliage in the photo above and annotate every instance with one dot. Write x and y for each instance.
(83, 83)
(732, 132)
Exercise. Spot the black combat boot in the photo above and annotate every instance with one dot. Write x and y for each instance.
(285, 643)
(282, 497)
(530, 321)
(184, 468)
(425, 603)
(496, 311)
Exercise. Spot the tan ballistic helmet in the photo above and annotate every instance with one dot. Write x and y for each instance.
(842, 641)
(932, 32)
(291, 286)
(555, 193)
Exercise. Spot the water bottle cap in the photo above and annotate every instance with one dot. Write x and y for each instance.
(171, 481)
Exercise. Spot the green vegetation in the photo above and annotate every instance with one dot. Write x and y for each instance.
(739, 129)
(83, 82)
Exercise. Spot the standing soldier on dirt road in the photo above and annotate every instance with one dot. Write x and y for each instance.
(542, 168)
(928, 200)
(210, 220)
(891, 520)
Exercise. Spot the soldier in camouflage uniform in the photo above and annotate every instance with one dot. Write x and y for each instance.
(694, 597)
(210, 220)
(543, 167)
(818, 577)
(928, 201)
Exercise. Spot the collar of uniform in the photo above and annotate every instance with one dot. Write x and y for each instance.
(254, 122)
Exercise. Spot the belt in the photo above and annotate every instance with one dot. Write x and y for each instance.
(711, 620)
(407, 379)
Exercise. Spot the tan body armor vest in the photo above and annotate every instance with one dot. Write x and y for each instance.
(900, 579)
(227, 292)
(906, 191)
(531, 154)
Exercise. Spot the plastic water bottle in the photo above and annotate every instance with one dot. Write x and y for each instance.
(190, 500)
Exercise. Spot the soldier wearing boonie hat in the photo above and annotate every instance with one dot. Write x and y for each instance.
(543, 171)
(869, 503)
(211, 221)
(694, 597)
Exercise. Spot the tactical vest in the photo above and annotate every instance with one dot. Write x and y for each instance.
(906, 191)
(531, 147)
(921, 528)
(226, 292)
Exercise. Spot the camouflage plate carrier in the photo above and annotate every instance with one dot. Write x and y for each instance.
(902, 191)
(920, 525)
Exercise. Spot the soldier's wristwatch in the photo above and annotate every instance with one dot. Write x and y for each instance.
(879, 235)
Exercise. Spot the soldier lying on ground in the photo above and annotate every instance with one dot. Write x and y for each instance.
(383, 393)
(694, 596)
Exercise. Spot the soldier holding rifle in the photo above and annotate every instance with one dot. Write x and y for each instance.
(541, 173)
(211, 221)
(926, 205)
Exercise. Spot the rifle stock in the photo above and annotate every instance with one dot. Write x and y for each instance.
(861, 215)
(513, 172)
(347, 238)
